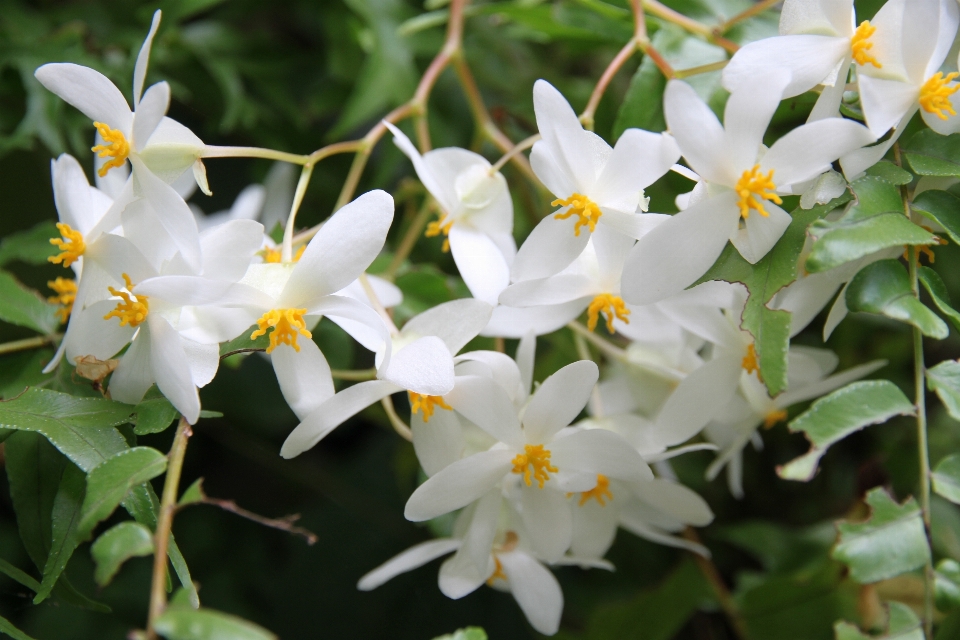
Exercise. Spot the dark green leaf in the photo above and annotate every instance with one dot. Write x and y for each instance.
(117, 545)
(931, 154)
(834, 417)
(946, 478)
(890, 172)
(467, 633)
(185, 623)
(876, 222)
(642, 107)
(949, 627)
(947, 584)
(7, 627)
(883, 288)
(193, 494)
(24, 307)
(945, 380)
(20, 576)
(21, 370)
(244, 343)
(65, 517)
(110, 481)
(938, 292)
(891, 542)
(154, 416)
(941, 207)
(31, 246)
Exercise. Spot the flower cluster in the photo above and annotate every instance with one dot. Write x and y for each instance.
(534, 485)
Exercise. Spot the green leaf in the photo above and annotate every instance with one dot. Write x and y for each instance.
(184, 623)
(153, 416)
(891, 542)
(947, 584)
(642, 107)
(244, 343)
(7, 628)
(834, 417)
(902, 624)
(65, 516)
(890, 172)
(931, 281)
(110, 481)
(946, 478)
(193, 494)
(883, 288)
(117, 545)
(24, 307)
(931, 154)
(945, 380)
(31, 246)
(467, 633)
(21, 370)
(943, 208)
(876, 222)
(20, 576)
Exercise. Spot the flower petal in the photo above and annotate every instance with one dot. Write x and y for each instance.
(172, 212)
(676, 500)
(424, 366)
(413, 558)
(805, 59)
(886, 102)
(594, 528)
(89, 91)
(170, 369)
(459, 576)
(746, 117)
(595, 451)
(458, 485)
(559, 400)
(697, 131)
(535, 589)
(304, 376)
(445, 196)
(150, 112)
(639, 159)
(550, 247)
(511, 322)
(456, 322)
(556, 179)
(89, 334)
(143, 59)
(134, 375)
(79, 205)
(808, 150)
(558, 289)
(438, 442)
(546, 517)
(478, 539)
(481, 264)
(484, 403)
(695, 400)
(562, 132)
(760, 233)
(228, 248)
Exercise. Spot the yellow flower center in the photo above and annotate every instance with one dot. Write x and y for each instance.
(437, 227)
(935, 94)
(275, 256)
(611, 307)
(860, 45)
(599, 493)
(115, 146)
(536, 459)
(754, 186)
(497, 572)
(586, 210)
(71, 246)
(426, 404)
(132, 309)
(749, 362)
(66, 290)
(285, 325)
(773, 418)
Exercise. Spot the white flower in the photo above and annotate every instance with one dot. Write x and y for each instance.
(476, 213)
(742, 180)
(594, 184)
(421, 363)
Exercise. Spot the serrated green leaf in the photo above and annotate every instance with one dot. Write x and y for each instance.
(31, 246)
(947, 584)
(109, 482)
(931, 281)
(23, 307)
(21, 370)
(945, 380)
(244, 343)
(770, 328)
(20, 576)
(7, 628)
(33, 468)
(193, 494)
(835, 416)
(943, 208)
(65, 517)
(153, 416)
(876, 222)
(883, 288)
(890, 542)
(184, 623)
(946, 478)
(117, 545)
(890, 172)
(931, 154)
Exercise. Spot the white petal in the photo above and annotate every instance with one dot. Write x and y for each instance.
(558, 289)
(886, 102)
(632, 225)
(89, 91)
(829, 384)
(746, 116)
(342, 250)
(445, 197)
(304, 376)
(828, 104)
(479, 537)
(89, 334)
(808, 150)
(169, 365)
(413, 558)
(562, 131)
(695, 400)
(597, 451)
(806, 297)
(424, 366)
(332, 413)
(943, 127)
(675, 254)
(456, 322)
(500, 367)
(337, 307)
(133, 376)
(228, 248)
(612, 249)
(639, 159)
(594, 528)
(547, 518)
(837, 313)
(535, 589)
(697, 130)
(559, 400)
(438, 442)
(550, 247)
(856, 162)
(172, 150)
(806, 59)
(546, 167)
(760, 233)
(150, 112)
(459, 576)
(640, 528)
(675, 499)
(444, 166)
(510, 322)
(458, 485)
(143, 59)
(173, 213)
(481, 264)
(484, 403)
(203, 360)
(526, 352)
(834, 17)
(79, 205)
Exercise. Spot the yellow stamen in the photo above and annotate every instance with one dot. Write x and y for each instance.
(773, 418)
(116, 147)
(276, 255)
(427, 404)
(71, 246)
(935, 94)
(537, 458)
(753, 185)
(497, 572)
(599, 492)
(285, 325)
(132, 309)
(437, 227)
(860, 45)
(66, 290)
(586, 210)
(611, 307)
(749, 362)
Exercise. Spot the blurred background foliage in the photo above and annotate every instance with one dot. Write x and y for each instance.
(297, 74)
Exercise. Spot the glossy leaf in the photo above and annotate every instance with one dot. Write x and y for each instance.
(890, 542)
(6, 627)
(24, 307)
(883, 288)
(945, 380)
(875, 222)
(947, 584)
(835, 416)
(65, 518)
(946, 478)
(153, 416)
(943, 208)
(185, 623)
(193, 494)
(938, 292)
(109, 482)
(931, 154)
(31, 246)
(117, 545)
(890, 172)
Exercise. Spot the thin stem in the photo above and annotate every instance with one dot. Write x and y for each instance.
(213, 151)
(712, 574)
(396, 421)
(759, 7)
(608, 348)
(354, 376)
(29, 343)
(666, 13)
(618, 61)
(286, 254)
(520, 147)
(161, 538)
(350, 146)
(704, 68)
(409, 239)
